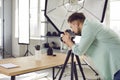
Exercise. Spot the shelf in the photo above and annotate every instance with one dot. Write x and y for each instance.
(54, 50)
(50, 36)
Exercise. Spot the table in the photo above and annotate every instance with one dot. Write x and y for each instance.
(29, 64)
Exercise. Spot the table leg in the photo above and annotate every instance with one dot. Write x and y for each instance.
(12, 77)
(53, 73)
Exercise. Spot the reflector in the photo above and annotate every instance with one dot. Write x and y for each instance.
(57, 11)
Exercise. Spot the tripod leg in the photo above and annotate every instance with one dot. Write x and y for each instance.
(26, 53)
(30, 53)
(79, 64)
(53, 73)
(72, 66)
(75, 71)
(63, 68)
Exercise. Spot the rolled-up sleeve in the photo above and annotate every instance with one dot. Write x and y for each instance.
(82, 47)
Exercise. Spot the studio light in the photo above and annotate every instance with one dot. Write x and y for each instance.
(58, 11)
(73, 5)
(24, 26)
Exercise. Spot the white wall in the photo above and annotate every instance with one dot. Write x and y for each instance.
(15, 46)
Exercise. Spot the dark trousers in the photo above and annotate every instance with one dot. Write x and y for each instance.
(117, 75)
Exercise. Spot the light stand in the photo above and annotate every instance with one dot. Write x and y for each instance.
(27, 51)
(24, 24)
(73, 66)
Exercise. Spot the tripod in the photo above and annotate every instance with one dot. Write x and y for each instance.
(27, 51)
(73, 66)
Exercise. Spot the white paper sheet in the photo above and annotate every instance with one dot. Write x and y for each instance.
(9, 65)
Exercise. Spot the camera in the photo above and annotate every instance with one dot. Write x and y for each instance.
(72, 34)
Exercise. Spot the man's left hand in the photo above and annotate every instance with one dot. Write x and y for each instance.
(67, 39)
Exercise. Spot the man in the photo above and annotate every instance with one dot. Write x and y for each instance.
(101, 44)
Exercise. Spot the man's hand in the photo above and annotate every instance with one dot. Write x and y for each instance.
(67, 39)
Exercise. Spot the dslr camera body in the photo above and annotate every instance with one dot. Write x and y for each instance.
(72, 34)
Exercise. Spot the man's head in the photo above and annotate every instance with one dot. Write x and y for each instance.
(76, 21)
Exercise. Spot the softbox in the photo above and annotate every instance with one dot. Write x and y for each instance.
(58, 11)
(24, 22)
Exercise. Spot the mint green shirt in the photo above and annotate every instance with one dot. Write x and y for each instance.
(102, 45)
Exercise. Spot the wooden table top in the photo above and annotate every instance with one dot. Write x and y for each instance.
(29, 64)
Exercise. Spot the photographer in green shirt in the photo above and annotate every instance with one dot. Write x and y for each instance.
(101, 44)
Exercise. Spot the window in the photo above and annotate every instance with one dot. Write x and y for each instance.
(115, 15)
(37, 28)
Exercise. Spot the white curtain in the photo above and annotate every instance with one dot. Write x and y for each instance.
(1, 27)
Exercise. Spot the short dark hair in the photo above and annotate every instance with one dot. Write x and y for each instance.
(76, 16)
